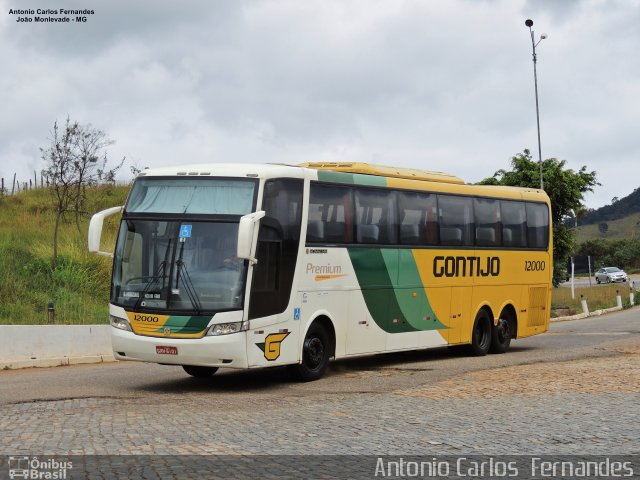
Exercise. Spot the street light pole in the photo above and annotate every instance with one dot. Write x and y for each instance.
(534, 44)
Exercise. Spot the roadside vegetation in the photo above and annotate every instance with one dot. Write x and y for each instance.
(598, 298)
(78, 285)
(623, 253)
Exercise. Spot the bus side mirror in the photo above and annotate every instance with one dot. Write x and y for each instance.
(95, 230)
(247, 232)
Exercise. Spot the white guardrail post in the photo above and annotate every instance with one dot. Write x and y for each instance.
(583, 302)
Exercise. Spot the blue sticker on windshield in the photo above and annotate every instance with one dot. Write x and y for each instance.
(185, 231)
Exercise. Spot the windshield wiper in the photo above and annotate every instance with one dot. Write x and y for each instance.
(186, 280)
(188, 286)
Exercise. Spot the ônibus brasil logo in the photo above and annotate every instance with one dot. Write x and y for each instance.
(34, 468)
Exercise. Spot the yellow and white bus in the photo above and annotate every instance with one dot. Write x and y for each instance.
(245, 266)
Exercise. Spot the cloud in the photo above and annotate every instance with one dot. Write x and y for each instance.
(435, 85)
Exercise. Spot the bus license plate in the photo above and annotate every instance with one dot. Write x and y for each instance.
(166, 350)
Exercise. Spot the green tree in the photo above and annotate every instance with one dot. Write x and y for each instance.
(566, 189)
(75, 159)
(624, 253)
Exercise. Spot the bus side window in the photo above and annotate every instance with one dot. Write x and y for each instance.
(376, 216)
(330, 214)
(514, 224)
(487, 222)
(537, 225)
(455, 220)
(417, 216)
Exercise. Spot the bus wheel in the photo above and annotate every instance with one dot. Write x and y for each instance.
(481, 336)
(199, 372)
(315, 355)
(501, 334)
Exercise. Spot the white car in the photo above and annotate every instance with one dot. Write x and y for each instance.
(610, 274)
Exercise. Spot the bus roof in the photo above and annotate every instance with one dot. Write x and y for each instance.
(354, 172)
(425, 180)
(384, 171)
(251, 170)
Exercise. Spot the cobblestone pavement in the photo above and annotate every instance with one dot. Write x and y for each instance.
(584, 406)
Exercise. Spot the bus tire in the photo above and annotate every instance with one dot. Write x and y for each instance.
(481, 334)
(502, 334)
(316, 351)
(199, 372)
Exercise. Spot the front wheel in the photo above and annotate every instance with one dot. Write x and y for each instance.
(481, 335)
(199, 372)
(315, 355)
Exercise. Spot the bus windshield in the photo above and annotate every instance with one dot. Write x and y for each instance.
(178, 266)
(189, 195)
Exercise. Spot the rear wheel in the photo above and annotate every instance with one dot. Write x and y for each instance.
(199, 372)
(502, 333)
(481, 335)
(315, 355)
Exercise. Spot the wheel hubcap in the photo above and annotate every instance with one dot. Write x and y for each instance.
(313, 351)
(503, 330)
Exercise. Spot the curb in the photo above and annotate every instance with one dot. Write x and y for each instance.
(580, 316)
(54, 362)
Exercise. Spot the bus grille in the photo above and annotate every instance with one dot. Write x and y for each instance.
(537, 306)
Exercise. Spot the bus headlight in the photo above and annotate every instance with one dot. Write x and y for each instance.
(120, 323)
(227, 328)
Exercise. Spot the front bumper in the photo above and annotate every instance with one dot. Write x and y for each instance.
(220, 351)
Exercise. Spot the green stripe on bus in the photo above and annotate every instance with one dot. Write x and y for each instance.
(185, 324)
(412, 297)
(395, 308)
(378, 290)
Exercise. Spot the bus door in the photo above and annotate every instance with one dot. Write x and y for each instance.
(270, 304)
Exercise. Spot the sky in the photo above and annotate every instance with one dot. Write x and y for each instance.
(430, 84)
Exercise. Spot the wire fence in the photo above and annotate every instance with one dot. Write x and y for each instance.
(21, 185)
(60, 312)
(17, 185)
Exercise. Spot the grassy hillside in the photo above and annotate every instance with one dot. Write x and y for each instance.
(625, 227)
(78, 286)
